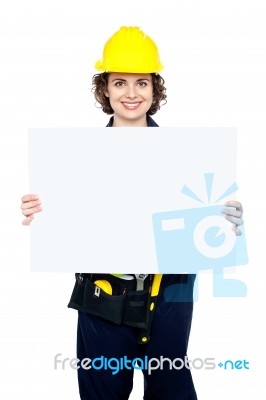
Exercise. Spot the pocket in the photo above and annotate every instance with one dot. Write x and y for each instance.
(76, 299)
(103, 305)
(136, 309)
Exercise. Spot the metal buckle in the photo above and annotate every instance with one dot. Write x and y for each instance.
(140, 281)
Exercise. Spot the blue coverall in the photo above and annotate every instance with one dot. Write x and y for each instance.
(97, 337)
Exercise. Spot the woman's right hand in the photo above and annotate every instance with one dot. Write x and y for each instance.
(31, 204)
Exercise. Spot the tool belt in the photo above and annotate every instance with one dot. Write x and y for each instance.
(124, 306)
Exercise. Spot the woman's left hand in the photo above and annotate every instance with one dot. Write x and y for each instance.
(234, 215)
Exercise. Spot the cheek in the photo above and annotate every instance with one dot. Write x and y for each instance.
(150, 94)
(113, 99)
(114, 95)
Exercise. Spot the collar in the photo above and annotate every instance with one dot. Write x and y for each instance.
(150, 122)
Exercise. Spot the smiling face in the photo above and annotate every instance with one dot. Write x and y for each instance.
(130, 97)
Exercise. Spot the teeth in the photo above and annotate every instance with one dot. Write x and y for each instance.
(131, 104)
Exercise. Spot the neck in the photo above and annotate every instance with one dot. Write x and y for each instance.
(120, 122)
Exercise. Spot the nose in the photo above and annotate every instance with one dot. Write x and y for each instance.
(131, 92)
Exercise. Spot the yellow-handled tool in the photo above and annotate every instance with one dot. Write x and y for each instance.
(104, 285)
(156, 284)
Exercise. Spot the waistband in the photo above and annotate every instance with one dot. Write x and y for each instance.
(119, 285)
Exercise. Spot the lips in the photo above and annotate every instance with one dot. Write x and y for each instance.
(131, 106)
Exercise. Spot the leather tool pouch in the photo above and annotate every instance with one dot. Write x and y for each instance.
(136, 308)
(130, 308)
(102, 304)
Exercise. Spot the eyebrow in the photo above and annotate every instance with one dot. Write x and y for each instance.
(124, 80)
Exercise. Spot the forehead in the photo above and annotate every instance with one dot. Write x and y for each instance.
(128, 77)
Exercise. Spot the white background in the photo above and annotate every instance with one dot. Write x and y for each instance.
(214, 57)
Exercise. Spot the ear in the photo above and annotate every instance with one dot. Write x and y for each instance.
(106, 94)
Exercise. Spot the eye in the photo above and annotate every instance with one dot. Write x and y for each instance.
(119, 84)
(142, 84)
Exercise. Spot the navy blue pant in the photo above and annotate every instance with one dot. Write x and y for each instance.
(169, 338)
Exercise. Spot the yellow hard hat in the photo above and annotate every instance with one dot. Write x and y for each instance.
(130, 50)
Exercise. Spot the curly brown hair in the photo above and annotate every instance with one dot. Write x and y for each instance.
(99, 87)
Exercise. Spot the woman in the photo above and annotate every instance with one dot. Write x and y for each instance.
(130, 88)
